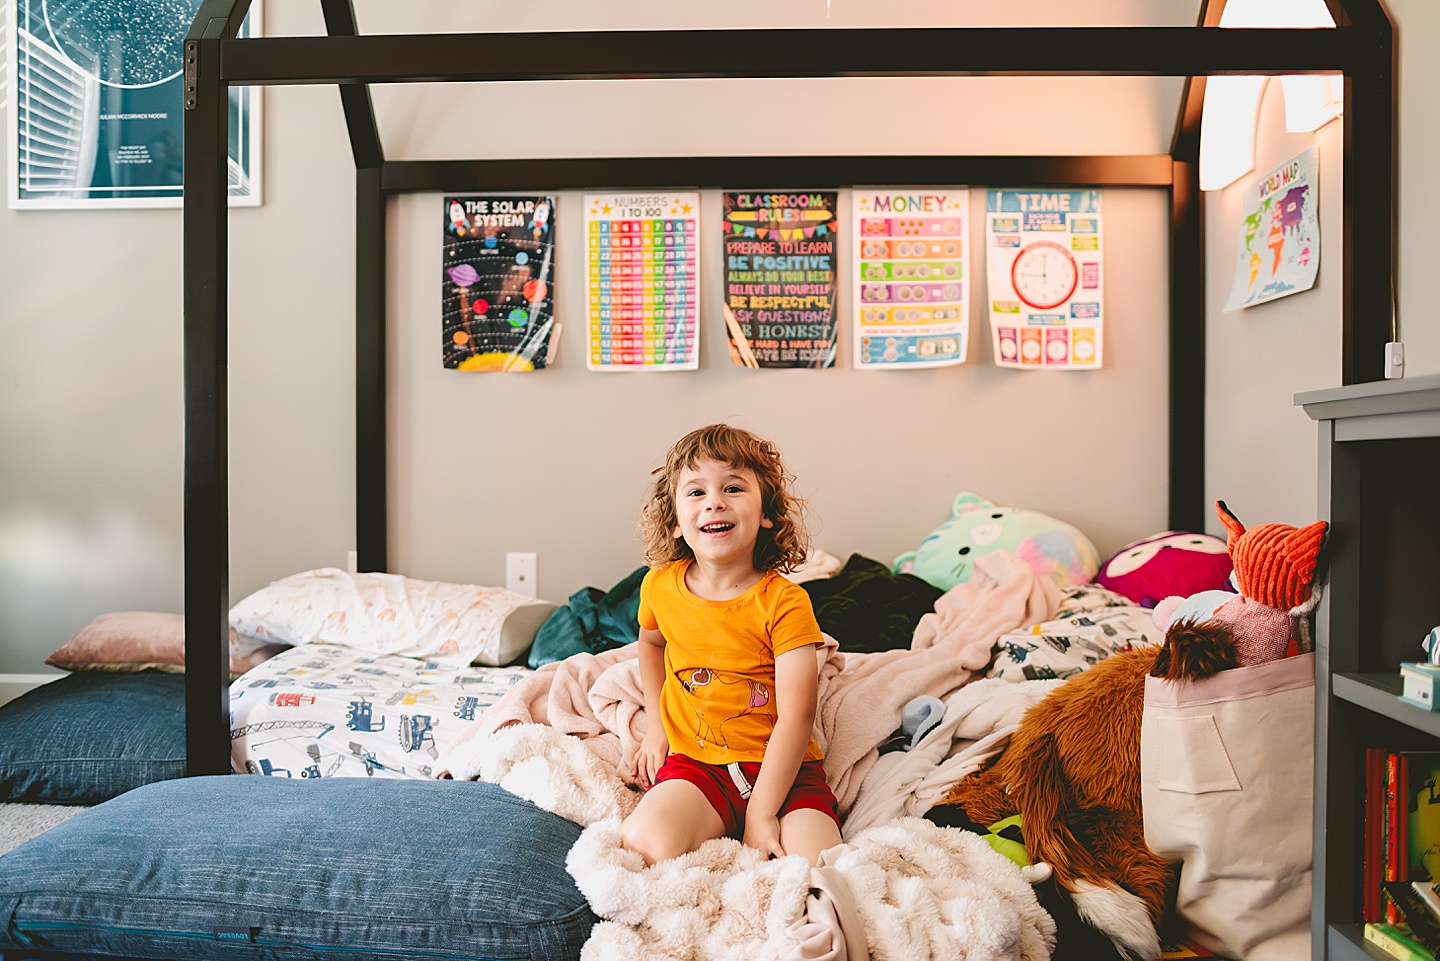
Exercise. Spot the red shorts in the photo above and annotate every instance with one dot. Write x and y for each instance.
(722, 787)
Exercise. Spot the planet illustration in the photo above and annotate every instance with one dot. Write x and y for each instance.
(463, 275)
(461, 338)
(522, 258)
(535, 290)
(491, 241)
(518, 317)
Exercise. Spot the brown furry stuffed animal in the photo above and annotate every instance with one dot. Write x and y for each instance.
(1072, 773)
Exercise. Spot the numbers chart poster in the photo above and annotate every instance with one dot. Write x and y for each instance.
(911, 309)
(644, 281)
(1279, 250)
(497, 289)
(1043, 264)
(780, 287)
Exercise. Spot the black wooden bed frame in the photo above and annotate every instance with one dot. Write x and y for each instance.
(1361, 47)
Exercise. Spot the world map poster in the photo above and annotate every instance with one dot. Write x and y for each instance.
(1279, 249)
(780, 303)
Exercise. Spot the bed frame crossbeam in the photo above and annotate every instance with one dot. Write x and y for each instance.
(1361, 47)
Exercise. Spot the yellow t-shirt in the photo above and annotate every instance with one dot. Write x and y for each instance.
(718, 702)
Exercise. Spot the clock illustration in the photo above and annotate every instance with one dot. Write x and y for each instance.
(1044, 274)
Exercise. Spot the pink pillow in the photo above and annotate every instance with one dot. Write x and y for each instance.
(139, 640)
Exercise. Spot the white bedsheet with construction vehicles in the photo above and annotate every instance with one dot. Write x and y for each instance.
(322, 710)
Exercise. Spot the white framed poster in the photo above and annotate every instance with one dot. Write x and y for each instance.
(912, 278)
(96, 105)
(1044, 254)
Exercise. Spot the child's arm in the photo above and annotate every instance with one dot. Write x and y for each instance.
(797, 685)
(652, 677)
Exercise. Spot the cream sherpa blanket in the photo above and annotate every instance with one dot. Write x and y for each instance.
(904, 890)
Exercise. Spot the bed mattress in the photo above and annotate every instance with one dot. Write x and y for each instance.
(322, 710)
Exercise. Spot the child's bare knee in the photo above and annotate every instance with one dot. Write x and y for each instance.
(651, 844)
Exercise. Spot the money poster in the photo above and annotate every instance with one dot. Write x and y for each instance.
(780, 303)
(644, 281)
(911, 278)
(1279, 250)
(1043, 260)
(497, 285)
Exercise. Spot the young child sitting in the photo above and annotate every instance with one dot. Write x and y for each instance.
(727, 659)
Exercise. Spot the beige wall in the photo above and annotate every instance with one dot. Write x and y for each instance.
(1260, 449)
(90, 381)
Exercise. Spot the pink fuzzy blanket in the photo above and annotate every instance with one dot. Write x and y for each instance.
(597, 697)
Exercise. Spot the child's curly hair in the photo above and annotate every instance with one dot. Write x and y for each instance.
(782, 548)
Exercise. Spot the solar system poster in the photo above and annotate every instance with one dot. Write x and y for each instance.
(497, 288)
(97, 113)
(1043, 260)
(780, 269)
(911, 278)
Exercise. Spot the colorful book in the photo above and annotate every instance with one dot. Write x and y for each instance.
(1184, 948)
(1420, 829)
(1415, 913)
(1427, 892)
(1374, 866)
(1395, 941)
(1392, 830)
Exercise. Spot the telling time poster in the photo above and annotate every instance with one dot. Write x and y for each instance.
(497, 284)
(780, 294)
(911, 278)
(1043, 263)
(643, 253)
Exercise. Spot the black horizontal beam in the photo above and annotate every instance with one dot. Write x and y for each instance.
(771, 172)
(907, 52)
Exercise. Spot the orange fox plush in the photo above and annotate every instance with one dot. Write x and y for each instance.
(1211, 631)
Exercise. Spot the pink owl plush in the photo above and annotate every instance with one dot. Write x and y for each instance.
(1167, 564)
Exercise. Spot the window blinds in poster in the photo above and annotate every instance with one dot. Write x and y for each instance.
(911, 278)
(1044, 258)
(643, 281)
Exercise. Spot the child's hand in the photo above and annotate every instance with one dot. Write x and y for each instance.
(650, 757)
(763, 834)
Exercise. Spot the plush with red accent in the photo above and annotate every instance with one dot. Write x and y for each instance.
(1275, 569)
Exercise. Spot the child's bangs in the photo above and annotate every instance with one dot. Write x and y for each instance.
(728, 447)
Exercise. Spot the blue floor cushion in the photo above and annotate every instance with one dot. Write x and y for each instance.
(239, 867)
(91, 735)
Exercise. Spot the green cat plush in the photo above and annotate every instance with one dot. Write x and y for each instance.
(1052, 547)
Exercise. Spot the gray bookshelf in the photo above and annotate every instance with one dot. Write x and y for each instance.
(1380, 491)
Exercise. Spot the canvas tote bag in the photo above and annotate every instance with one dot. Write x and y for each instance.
(1227, 780)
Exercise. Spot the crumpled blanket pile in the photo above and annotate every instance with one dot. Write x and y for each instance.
(907, 889)
(598, 699)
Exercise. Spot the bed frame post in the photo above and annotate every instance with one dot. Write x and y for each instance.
(1370, 250)
(371, 492)
(1187, 348)
(207, 487)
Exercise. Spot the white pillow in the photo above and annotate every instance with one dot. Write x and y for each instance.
(452, 624)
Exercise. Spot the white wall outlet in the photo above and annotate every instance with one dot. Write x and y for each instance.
(520, 573)
(1394, 360)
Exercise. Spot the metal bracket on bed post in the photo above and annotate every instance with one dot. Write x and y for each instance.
(371, 498)
(207, 540)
